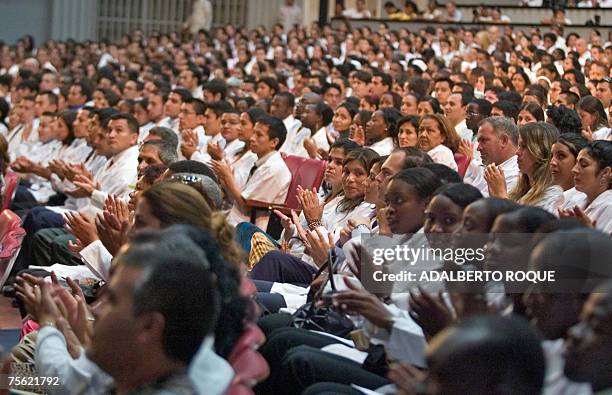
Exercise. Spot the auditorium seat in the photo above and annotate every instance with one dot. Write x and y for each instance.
(11, 236)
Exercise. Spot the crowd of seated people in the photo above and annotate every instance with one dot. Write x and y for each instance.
(155, 180)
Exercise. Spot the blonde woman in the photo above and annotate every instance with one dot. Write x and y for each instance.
(439, 139)
(536, 186)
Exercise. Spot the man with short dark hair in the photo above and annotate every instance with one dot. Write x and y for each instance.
(360, 83)
(195, 142)
(282, 108)
(454, 109)
(191, 122)
(509, 358)
(214, 90)
(46, 101)
(155, 108)
(140, 337)
(47, 241)
(476, 111)
(443, 88)
(172, 108)
(604, 93)
(588, 350)
(268, 180)
(190, 80)
(78, 94)
(293, 145)
(380, 83)
(267, 87)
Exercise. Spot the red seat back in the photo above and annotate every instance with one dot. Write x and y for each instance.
(462, 163)
(11, 236)
(10, 186)
(307, 173)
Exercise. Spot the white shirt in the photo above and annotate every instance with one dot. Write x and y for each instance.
(603, 134)
(231, 149)
(475, 174)
(198, 92)
(572, 198)
(209, 373)
(76, 152)
(42, 154)
(463, 131)
(13, 138)
(171, 123)
(296, 147)
(201, 155)
(289, 16)
(383, 147)
(242, 166)
(600, 210)
(332, 219)
(293, 127)
(352, 13)
(98, 259)
(551, 200)
(118, 177)
(93, 164)
(269, 183)
(555, 382)
(143, 131)
(443, 155)
(320, 139)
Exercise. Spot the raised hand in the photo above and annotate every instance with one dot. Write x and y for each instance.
(430, 312)
(496, 181)
(215, 151)
(311, 207)
(82, 227)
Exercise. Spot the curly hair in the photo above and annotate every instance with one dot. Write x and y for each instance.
(565, 119)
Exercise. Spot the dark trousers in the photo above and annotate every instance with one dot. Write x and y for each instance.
(278, 344)
(35, 220)
(271, 302)
(51, 246)
(304, 366)
(331, 389)
(272, 322)
(23, 199)
(280, 267)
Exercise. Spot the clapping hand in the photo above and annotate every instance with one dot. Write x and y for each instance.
(215, 151)
(467, 149)
(579, 214)
(430, 312)
(82, 227)
(190, 142)
(311, 207)
(496, 181)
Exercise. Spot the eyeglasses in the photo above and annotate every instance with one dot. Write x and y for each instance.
(186, 179)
